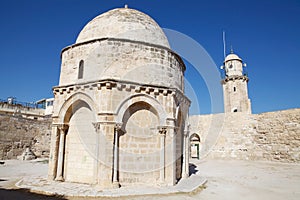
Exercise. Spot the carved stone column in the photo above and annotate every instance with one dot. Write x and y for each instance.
(105, 134)
(170, 176)
(62, 131)
(185, 164)
(53, 153)
(97, 150)
(162, 133)
(118, 127)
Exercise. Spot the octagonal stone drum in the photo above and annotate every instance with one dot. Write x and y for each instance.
(119, 110)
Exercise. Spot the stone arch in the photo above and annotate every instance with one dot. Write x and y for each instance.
(80, 156)
(72, 103)
(195, 137)
(139, 149)
(195, 145)
(135, 107)
(155, 105)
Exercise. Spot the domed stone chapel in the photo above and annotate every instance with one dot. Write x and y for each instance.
(120, 113)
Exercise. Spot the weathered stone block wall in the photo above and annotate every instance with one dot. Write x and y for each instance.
(278, 135)
(236, 95)
(273, 136)
(17, 133)
(120, 59)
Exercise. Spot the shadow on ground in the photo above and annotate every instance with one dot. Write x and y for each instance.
(192, 169)
(6, 194)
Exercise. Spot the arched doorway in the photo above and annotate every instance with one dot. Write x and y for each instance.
(80, 145)
(139, 148)
(195, 146)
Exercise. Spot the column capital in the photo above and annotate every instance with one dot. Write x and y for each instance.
(186, 133)
(61, 127)
(96, 126)
(187, 130)
(188, 127)
(118, 126)
(162, 130)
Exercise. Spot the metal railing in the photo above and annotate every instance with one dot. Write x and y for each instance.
(23, 104)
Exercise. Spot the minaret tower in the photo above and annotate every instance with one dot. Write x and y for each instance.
(235, 88)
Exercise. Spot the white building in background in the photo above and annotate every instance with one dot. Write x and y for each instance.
(34, 110)
(46, 104)
(49, 106)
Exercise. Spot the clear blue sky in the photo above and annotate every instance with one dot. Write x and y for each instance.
(265, 34)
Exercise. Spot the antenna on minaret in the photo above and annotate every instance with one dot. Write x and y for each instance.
(224, 45)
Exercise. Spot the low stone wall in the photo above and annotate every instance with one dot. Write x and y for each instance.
(17, 133)
(273, 136)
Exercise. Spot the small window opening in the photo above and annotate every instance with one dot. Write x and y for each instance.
(235, 110)
(234, 89)
(80, 69)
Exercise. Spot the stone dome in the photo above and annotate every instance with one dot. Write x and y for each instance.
(124, 23)
(232, 56)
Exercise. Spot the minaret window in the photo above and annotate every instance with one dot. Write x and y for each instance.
(234, 89)
(80, 69)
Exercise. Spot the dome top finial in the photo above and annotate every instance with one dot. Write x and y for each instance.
(126, 6)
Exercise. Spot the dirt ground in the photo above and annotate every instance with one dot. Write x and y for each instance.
(227, 179)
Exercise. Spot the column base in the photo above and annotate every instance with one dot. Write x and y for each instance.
(50, 177)
(185, 176)
(162, 184)
(60, 178)
(104, 185)
(116, 185)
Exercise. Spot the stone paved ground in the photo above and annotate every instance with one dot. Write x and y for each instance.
(226, 180)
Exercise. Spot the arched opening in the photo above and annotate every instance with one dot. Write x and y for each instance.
(235, 110)
(195, 146)
(80, 69)
(80, 145)
(139, 148)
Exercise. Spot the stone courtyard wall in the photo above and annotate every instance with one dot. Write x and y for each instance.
(278, 135)
(273, 136)
(17, 133)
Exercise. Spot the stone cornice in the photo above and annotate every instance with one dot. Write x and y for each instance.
(233, 78)
(122, 85)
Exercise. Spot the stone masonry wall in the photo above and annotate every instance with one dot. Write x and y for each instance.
(17, 133)
(273, 136)
(278, 135)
